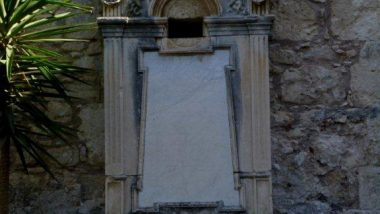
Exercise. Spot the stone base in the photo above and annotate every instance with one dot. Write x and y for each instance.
(191, 208)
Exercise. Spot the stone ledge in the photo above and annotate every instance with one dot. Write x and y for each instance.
(362, 212)
(191, 208)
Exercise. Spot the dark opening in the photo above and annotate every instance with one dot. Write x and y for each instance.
(185, 28)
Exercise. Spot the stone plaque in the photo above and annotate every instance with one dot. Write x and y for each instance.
(187, 156)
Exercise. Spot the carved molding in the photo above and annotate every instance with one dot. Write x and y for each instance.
(193, 45)
(185, 8)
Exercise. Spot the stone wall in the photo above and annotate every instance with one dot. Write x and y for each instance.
(80, 185)
(325, 74)
(325, 92)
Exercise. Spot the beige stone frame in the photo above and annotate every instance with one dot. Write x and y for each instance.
(122, 39)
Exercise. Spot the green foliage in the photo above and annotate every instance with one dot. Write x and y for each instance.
(29, 74)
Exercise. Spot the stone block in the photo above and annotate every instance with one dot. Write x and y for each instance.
(355, 19)
(312, 84)
(295, 20)
(369, 188)
(92, 131)
(366, 76)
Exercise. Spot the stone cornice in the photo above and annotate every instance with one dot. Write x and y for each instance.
(230, 26)
(156, 26)
(132, 27)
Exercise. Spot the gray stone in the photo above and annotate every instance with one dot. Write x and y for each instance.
(319, 53)
(362, 212)
(288, 57)
(366, 75)
(312, 84)
(92, 132)
(60, 111)
(73, 46)
(299, 159)
(369, 193)
(68, 156)
(315, 207)
(330, 149)
(295, 20)
(355, 19)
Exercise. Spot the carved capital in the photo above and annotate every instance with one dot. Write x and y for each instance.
(260, 7)
(111, 2)
(258, 1)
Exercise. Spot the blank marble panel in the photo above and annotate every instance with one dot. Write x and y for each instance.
(187, 136)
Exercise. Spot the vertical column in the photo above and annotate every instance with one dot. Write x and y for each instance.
(121, 140)
(121, 97)
(113, 100)
(113, 132)
(258, 184)
(260, 103)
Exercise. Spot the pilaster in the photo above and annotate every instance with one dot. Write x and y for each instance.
(260, 118)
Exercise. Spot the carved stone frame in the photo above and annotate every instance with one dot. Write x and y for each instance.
(123, 37)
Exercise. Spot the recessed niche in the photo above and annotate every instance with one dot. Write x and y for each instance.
(185, 28)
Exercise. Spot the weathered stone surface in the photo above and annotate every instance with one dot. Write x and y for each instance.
(287, 57)
(369, 194)
(92, 132)
(312, 84)
(319, 53)
(362, 212)
(295, 20)
(366, 75)
(60, 111)
(44, 195)
(319, 139)
(355, 19)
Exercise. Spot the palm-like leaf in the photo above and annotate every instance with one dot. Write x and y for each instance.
(29, 73)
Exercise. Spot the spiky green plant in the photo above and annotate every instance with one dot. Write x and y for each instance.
(29, 77)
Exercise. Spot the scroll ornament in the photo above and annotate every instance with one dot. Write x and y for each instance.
(134, 8)
(238, 7)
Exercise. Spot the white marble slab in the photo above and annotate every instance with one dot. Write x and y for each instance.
(187, 136)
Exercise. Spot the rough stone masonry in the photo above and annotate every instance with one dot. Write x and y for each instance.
(325, 96)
